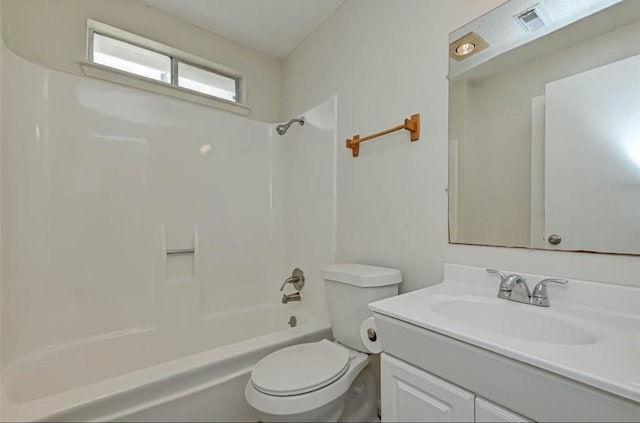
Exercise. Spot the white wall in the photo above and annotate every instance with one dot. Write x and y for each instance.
(53, 34)
(386, 60)
(1, 50)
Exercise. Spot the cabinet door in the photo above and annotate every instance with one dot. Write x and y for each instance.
(413, 395)
(488, 412)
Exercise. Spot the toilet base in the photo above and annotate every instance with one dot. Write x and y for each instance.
(351, 398)
(328, 413)
(358, 404)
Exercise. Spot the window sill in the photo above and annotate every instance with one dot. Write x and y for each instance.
(106, 73)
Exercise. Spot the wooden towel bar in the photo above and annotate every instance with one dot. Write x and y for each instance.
(412, 125)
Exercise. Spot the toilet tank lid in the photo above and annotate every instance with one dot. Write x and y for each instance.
(361, 275)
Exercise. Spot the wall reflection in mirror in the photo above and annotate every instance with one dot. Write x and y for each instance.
(544, 131)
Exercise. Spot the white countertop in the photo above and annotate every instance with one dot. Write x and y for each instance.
(610, 314)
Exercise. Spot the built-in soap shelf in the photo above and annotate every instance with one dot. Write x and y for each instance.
(181, 251)
(180, 262)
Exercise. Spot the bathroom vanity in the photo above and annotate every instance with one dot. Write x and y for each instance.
(457, 352)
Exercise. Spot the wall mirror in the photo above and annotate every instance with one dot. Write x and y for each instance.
(544, 127)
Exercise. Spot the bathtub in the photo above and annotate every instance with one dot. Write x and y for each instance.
(194, 373)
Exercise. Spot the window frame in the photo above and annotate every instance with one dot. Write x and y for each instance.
(175, 56)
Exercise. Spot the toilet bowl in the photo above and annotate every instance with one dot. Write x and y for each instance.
(320, 381)
(327, 380)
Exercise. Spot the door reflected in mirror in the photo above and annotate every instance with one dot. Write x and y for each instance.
(544, 128)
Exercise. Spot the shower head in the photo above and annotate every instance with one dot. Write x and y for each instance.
(282, 129)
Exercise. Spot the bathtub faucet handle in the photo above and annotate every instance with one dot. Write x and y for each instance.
(290, 279)
(296, 279)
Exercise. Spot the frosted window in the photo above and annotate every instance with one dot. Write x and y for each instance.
(131, 58)
(207, 82)
(160, 64)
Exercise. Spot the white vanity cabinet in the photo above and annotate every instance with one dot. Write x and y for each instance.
(488, 412)
(410, 394)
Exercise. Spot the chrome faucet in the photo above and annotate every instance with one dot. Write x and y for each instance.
(297, 280)
(514, 288)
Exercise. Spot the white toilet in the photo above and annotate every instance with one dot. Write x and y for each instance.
(325, 380)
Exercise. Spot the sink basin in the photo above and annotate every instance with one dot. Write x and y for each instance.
(532, 325)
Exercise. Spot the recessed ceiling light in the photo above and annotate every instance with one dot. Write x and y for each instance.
(464, 49)
(467, 46)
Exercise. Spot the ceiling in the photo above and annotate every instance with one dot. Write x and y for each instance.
(603, 22)
(503, 33)
(274, 27)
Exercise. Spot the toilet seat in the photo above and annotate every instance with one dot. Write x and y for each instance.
(300, 369)
(301, 407)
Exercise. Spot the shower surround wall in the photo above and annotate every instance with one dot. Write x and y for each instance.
(304, 193)
(98, 181)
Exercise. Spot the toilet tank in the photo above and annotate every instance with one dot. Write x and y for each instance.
(350, 288)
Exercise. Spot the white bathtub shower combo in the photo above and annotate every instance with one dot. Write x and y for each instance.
(100, 184)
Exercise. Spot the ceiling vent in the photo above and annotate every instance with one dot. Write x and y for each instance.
(532, 19)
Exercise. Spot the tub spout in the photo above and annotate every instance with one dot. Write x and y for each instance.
(291, 297)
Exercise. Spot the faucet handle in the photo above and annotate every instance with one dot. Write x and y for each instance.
(540, 291)
(296, 278)
(502, 275)
(540, 296)
(290, 279)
